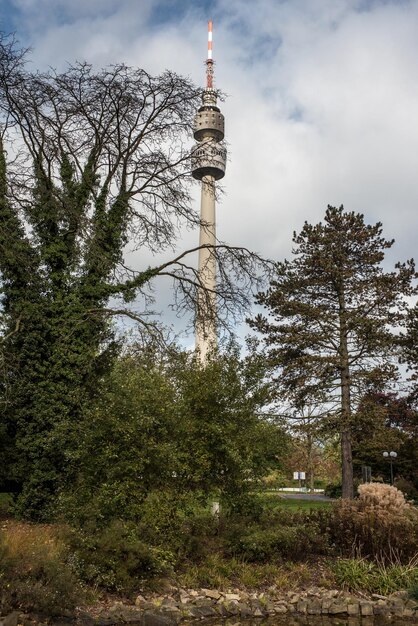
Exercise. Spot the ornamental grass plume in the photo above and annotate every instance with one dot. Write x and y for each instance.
(379, 524)
(379, 496)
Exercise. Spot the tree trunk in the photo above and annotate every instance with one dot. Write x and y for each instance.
(346, 452)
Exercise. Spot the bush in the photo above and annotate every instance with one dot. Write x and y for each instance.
(6, 501)
(407, 487)
(286, 542)
(413, 592)
(116, 558)
(333, 490)
(380, 524)
(35, 574)
(382, 497)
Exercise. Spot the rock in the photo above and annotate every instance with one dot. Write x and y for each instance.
(302, 606)
(353, 608)
(408, 613)
(156, 619)
(280, 608)
(106, 620)
(314, 607)
(258, 613)
(83, 618)
(366, 608)
(140, 600)
(222, 610)
(294, 598)
(232, 607)
(12, 619)
(211, 593)
(396, 604)
(337, 608)
(123, 613)
(232, 596)
(411, 604)
(244, 610)
(202, 612)
(168, 602)
(325, 604)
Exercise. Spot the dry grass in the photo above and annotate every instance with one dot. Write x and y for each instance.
(34, 571)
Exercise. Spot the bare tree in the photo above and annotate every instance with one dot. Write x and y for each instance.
(90, 161)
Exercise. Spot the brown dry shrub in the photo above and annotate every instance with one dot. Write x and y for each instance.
(34, 571)
(384, 498)
(380, 524)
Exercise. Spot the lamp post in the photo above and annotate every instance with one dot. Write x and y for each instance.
(391, 456)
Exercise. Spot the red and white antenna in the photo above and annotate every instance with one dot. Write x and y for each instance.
(209, 61)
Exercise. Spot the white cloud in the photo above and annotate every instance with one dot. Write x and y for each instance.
(322, 106)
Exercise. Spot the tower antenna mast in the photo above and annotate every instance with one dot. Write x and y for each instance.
(209, 60)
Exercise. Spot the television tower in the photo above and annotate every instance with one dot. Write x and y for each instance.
(208, 166)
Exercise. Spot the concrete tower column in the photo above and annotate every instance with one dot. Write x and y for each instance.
(206, 330)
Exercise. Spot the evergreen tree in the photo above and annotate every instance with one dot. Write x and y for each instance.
(88, 161)
(333, 312)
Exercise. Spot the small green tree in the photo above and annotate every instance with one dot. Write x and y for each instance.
(165, 424)
(233, 442)
(333, 312)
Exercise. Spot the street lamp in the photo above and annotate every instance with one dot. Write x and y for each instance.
(391, 456)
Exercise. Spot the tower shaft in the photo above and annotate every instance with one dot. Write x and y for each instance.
(206, 330)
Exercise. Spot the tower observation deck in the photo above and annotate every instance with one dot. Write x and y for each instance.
(208, 166)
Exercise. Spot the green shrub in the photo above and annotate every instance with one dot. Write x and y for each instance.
(333, 490)
(285, 542)
(413, 591)
(116, 558)
(35, 574)
(6, 501)
(407, 487)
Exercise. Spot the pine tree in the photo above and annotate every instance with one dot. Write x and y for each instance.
(333, 312)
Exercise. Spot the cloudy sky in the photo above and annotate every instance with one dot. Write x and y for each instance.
(322, 103)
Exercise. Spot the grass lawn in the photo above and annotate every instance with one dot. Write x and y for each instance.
(272, 500)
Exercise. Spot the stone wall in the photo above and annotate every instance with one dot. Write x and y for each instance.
(191, 604)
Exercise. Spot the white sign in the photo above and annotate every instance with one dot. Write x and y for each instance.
(299, 475)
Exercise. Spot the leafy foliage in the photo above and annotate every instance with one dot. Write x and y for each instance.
(116, 558)
(161, 428)
(386, 421)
